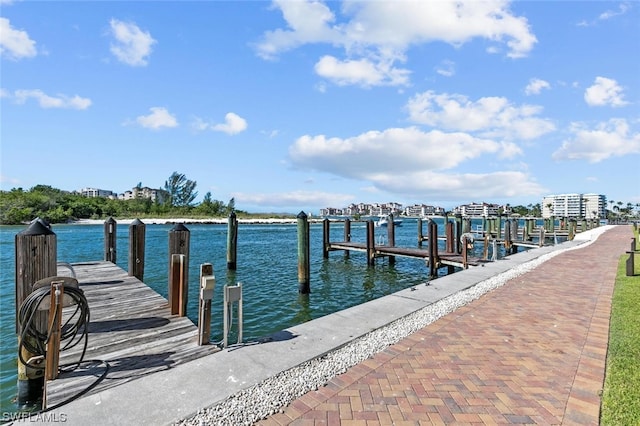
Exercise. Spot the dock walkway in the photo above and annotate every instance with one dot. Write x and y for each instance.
(530, 352)
(130, 328)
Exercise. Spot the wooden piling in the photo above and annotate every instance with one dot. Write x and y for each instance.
(36, 258)
(177, 285)
(458, 229)
(420, 237)
(391, 237)
(179, 243)
(371, 243)
(507, 236)
(450, 241)
(136, 249)
(433, 248)
(304, 268)
(232, 242)
(347, 235)
(326, 233)
(110, 240)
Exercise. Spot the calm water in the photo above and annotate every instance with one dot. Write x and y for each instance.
(266, 266)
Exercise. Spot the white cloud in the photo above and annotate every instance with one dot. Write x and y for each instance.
(362, 72)
(132, 46)
(374, 154)
(15, 44)
(622, 9)
(159, 118)
(609, 139)
(46, 101)
(415, 163)
(489, 116)
(232, 125)
(293, 198)
(375, 35)
(604, 91)
(456, 186)
(535, 86)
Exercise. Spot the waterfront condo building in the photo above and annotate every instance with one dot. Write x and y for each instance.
(589, 206)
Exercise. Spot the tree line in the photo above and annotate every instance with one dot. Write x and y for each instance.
(18, 206)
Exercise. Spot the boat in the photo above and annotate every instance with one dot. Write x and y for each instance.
(384, 221)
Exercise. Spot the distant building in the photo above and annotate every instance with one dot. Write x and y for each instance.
(95, 192)
(155, 195)
(422, 210)
(478, 210)
(589, 206)
(331, 211)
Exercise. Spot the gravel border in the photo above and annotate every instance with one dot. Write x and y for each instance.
(271, 395)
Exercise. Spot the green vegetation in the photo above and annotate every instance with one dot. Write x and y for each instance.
(621, 396)
(18, 206)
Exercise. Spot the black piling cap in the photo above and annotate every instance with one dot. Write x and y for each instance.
(179, 227)
(136, 222)
(37, 227)
(301, 215)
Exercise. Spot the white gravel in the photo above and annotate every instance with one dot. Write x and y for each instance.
(270, 396)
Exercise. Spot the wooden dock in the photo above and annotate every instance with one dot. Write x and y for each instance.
(130, 328)
(445, 259)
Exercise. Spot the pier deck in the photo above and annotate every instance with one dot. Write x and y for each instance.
(131, 329)
(416, 253)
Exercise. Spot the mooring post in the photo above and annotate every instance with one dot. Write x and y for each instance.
(177, 285)
(572, 229)
(347, 235)
(458, 222)
(485, 252)
(466, 225)
(232, 241)
(420, 238)
(465, 252)
(433, 248)
(110, 240)
(371, 243)
(136, 249)
(36, 258)
(304, 268)
(507, 236)
(179, 241)
(326, 232)
(207, 287)
(391, 236)
(450, 238)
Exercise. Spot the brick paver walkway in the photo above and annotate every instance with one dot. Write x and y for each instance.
(530, 352)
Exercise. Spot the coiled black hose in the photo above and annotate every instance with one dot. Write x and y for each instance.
(73, 331)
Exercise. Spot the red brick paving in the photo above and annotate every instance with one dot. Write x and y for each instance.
(530, 352)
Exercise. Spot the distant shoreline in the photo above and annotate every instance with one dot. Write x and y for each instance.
(171, 221)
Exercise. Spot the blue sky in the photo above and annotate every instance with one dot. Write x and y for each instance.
(298, 105)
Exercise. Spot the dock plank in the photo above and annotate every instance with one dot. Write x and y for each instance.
(130, 328)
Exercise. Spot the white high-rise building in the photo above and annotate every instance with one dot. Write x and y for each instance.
(589, 206)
